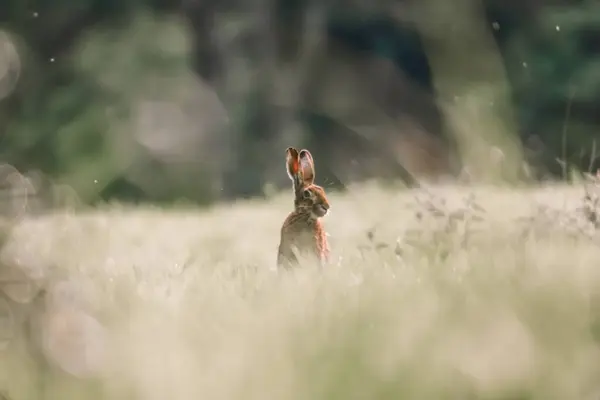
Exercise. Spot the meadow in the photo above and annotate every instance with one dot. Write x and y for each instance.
(447, 292)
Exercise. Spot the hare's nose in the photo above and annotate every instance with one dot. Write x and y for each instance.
(319, 210)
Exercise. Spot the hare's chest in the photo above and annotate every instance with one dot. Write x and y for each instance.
(303, 241)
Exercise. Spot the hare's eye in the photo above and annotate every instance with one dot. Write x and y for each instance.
(306, 194)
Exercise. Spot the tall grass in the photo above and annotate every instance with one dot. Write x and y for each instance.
(450, 293)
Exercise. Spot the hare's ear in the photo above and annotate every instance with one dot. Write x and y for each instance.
(307, 166)
(292, 164)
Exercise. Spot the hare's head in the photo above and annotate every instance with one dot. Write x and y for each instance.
(309, 198)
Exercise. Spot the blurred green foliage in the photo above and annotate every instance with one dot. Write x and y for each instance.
(84, 64)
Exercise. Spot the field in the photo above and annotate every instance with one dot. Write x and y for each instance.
(450, 293)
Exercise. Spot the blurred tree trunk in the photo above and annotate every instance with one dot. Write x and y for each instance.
(472, 89)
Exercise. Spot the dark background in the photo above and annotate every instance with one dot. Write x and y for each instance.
(159, 100)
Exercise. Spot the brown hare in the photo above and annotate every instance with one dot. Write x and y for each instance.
(302, 231)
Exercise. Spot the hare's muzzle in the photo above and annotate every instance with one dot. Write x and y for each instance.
(320, 210)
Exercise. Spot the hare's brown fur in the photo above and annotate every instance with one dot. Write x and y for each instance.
(303, 230)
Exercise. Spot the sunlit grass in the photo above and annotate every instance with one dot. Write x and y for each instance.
(429, 296)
